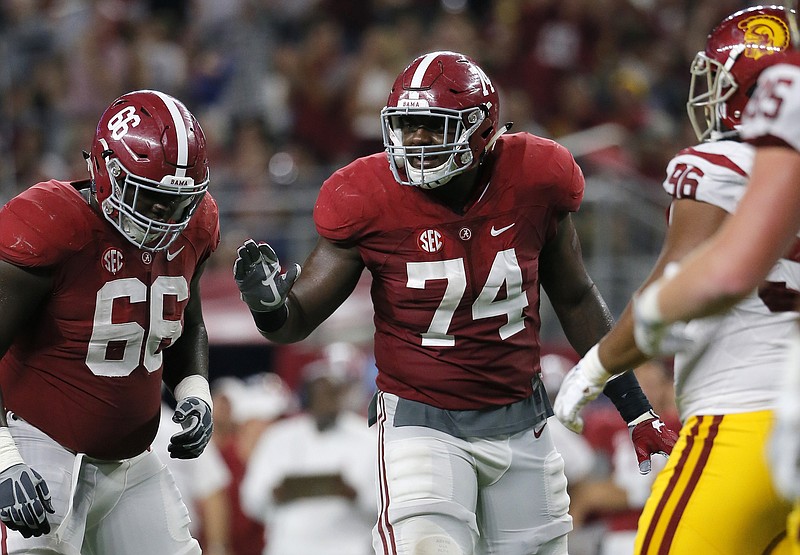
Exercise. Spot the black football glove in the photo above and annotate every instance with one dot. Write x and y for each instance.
(194, 415)
(257, 274)
(24, 501)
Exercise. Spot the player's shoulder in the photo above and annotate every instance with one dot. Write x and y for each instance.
(357, 173)
(354, 196)
(717, 158)
(714, 172)
(46, 221)
(771, 115)
(538, 166)
(529, 149)
(203, 228)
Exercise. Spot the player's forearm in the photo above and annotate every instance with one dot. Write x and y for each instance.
(586, 321)
(186, 357)
(287, 324)
(617, 350)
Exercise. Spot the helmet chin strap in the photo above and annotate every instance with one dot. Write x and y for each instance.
(503, 128)
(439, 182)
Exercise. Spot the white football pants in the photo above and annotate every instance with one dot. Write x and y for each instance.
(443, 495)
(128, 507)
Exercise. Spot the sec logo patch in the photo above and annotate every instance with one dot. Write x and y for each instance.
(112, 260)
(430, 240)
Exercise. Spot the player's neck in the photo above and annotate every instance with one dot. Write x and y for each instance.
(459, 193)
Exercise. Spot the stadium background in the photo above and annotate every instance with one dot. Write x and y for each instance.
(289, 90)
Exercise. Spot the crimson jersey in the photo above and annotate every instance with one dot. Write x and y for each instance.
(87, 369)
(456, 296)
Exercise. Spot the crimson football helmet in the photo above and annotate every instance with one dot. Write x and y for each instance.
(449, 94)
(724, 74)
(149, 167)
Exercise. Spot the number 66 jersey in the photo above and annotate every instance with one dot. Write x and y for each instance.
(456, 295)
(86, 369)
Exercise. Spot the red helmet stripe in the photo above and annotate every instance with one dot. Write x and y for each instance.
(180, 131)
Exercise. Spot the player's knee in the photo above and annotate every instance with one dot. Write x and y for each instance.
(437, 545)
(428, 538)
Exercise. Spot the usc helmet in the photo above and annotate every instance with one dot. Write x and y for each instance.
(452, 93)
(149, 167)
(724, 74)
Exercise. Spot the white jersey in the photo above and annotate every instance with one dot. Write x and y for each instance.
(736, 361)
(772, 114)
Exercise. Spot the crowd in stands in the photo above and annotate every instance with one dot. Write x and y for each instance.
(286, 90)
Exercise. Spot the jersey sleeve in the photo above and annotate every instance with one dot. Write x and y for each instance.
(714, 173)
(771, 115)
(205, 228)
(565, 174)
(342, 213)
(42, 226)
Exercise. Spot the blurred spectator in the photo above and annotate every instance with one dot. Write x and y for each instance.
(243, 410)
(580, 461)
(579, 458)
(316, 467)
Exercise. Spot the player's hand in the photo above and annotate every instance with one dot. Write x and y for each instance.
(194, 415)
(257, 274)
(581, 385)
(24, 495)
(784, 449)
(650, 436)
(24, 501)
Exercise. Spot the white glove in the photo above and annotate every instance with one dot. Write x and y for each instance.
(581, 385)
(784, 446)
(257, 274)
(653, 336)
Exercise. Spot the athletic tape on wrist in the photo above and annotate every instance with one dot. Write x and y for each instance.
(194, 386)
(592, 367)
(647, 303)
(9, 454)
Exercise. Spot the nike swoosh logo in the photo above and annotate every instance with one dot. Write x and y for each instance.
(172, 255)
(496, 232)
(538, 434)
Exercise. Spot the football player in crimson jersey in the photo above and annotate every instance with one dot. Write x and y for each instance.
(730, 372)
(459, 225)
(100, 306)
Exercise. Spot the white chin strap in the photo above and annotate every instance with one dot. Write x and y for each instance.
(430, 178)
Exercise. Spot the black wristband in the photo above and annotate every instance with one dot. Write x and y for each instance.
(272, 320)
(627, 395)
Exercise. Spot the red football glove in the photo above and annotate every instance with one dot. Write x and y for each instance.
(650, 436)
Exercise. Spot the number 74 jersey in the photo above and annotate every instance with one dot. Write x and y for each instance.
(87, 368)
(456, 295)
